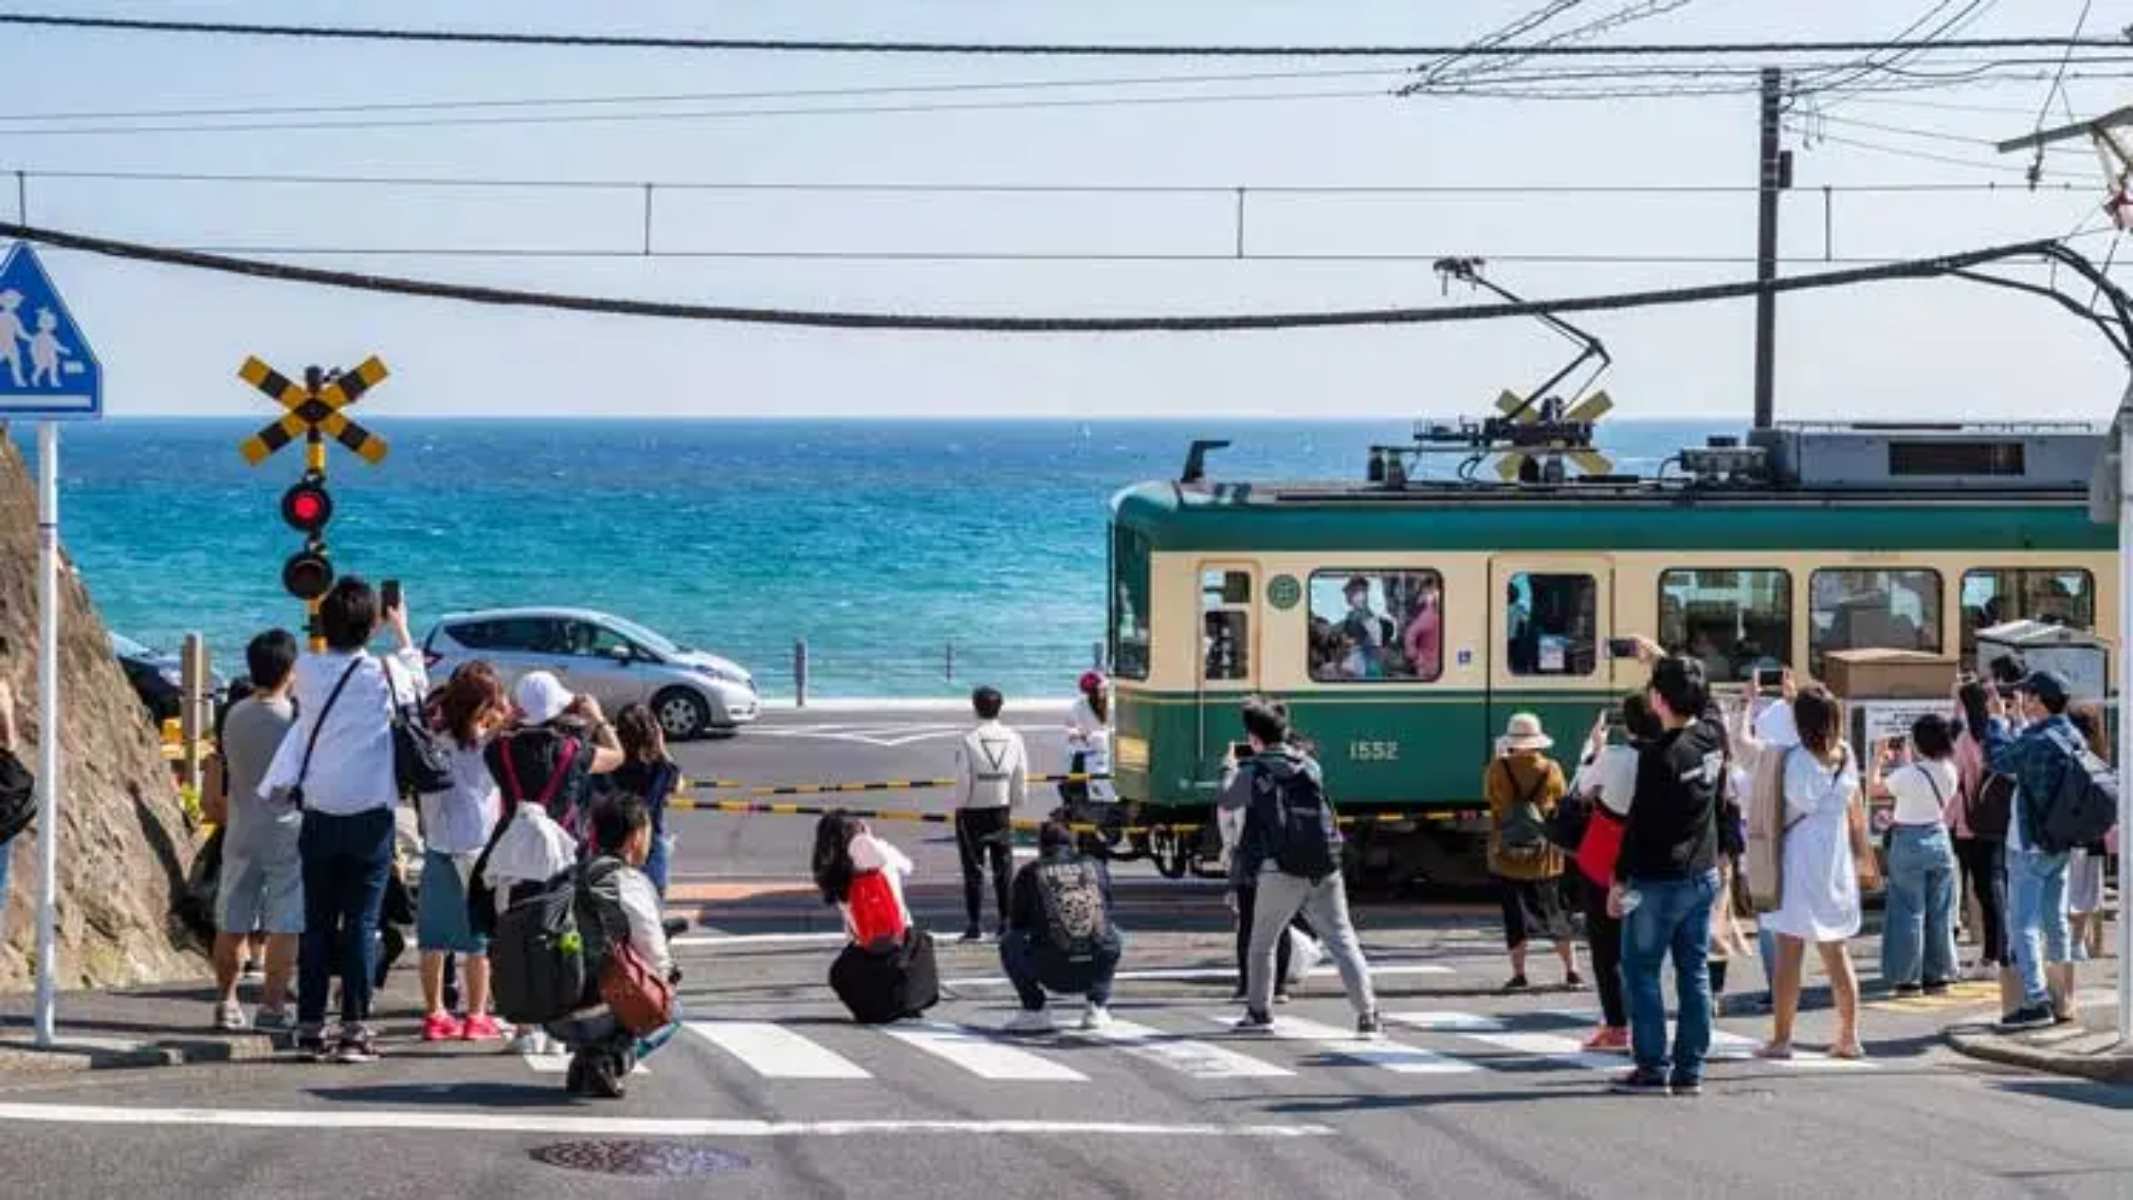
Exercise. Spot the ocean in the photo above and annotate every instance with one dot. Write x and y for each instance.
(882, 543)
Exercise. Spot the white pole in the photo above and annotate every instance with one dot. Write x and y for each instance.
(2124, 430)
(47, 726)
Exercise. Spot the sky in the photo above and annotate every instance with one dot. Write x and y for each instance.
(170, 340)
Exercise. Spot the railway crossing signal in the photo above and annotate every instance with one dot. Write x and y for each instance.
(315, 411)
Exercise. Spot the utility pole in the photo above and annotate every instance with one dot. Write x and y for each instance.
(1774, 177)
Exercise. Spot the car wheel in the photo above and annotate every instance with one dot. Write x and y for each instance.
(682, 713)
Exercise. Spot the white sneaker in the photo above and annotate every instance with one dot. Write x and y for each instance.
(1029, 1021)
(229, 1017)
(1095, 1018)
(530, 1040)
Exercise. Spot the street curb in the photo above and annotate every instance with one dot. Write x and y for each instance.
(22, 1058)
(1986, 1044)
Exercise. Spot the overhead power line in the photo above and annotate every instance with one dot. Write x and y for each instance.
(1199, 323)
(1048, 49)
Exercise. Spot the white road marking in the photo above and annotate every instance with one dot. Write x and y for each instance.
(1447, 1022)
(439, 1121)
(1733, 1047)
(559, 1064)
(1209, 973)
(775, 1052)
(982, 1054)
(1201, 1060)
(1341, 1043)
(759, 939)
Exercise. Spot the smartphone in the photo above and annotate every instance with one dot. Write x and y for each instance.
(389, 594)
(1622, 647)
(1239, 751)
(1769, 677)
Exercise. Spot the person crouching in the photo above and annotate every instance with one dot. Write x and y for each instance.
(1059, 933)
(617, 905)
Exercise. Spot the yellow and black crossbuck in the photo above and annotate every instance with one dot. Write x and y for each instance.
(308, 411)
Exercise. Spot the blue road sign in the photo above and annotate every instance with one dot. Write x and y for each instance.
(47, 370)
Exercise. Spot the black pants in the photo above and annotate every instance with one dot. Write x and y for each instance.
(1984, 872)
(982, 833)
(1247, 898)
(1604, 935)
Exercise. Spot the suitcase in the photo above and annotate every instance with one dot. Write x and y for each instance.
(890, 983)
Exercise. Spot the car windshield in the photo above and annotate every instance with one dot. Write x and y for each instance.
(642, 636)
(128, 648)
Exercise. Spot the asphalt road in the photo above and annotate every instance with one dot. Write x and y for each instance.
(1476, 1093)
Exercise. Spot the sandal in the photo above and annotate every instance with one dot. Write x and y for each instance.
(1774, 1051)
(1850, 1050)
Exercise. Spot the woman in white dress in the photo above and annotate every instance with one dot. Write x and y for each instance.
(1819, 902)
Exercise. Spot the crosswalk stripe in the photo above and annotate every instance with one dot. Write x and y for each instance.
(775, 1052)
(559, 1064)
(1447, 1022)
(1341, 1043)
(1733, 1047)
(1185, 973)
(1550, 1047)
(1201, 1060)
(983, 1055)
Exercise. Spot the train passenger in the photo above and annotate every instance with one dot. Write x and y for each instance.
(1060, 936)
(992, 778)
(1824, 859)
(1290, 849)
(1523, 786)
(1918, 935)
(1424, 638)
(1368, 632)
(1666, 878)
(1608, 779)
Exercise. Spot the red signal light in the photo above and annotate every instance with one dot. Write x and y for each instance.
(306, 507)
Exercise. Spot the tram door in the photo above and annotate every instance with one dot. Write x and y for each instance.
(1550, 621)
(1229, 652)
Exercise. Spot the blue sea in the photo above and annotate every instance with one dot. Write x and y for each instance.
(882, 543)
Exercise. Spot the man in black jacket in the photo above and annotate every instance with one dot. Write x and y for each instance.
(1667, 878)
(1059, 933)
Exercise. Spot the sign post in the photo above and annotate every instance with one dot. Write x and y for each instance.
(47, 372)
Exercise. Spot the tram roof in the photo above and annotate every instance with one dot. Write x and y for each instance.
(1241, 517)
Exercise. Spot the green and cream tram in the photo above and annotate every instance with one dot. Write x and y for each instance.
(1404, 620)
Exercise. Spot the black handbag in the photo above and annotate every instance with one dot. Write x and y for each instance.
(421, 762)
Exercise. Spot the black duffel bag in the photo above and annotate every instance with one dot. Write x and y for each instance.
(888, 984)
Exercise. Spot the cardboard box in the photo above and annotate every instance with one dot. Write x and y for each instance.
(1889, 674)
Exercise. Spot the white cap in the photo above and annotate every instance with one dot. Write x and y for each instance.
(542, 697)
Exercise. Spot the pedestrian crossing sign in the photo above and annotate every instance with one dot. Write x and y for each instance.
(47, 370)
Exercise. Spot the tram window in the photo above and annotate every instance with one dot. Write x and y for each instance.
(1732, 621)
(1872, 610)
(1129, 604)
(1225, 637)
(2060, 595)
(1549, 623)
(1376, 626)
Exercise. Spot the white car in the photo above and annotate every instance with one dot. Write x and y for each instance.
(617, 661)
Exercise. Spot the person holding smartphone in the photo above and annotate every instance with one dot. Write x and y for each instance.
(336, 764)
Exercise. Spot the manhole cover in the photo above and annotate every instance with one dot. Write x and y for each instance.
(665, 1160)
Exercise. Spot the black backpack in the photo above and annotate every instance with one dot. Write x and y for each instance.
(2086, 804)
(537, 958)
(1071, 894)
(1297, 823)
(1990, 806)
(1522, 838)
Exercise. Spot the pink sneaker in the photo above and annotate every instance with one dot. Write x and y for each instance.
(481, 1027)
(1608, 1038)
(441, 1027)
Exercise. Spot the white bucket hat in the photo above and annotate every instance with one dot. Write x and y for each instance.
(542, 697)
(1524, 733)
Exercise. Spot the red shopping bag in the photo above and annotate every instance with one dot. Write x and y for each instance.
(1602, 845)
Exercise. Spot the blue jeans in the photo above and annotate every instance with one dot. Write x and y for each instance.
(655, 863)
(2036, 918)
(1032, 967)
(1672, 915)
(346, 861)
(1918, 936)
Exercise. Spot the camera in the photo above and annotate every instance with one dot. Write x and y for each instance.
(1622, 647)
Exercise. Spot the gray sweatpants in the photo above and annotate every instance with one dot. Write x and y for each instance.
(1325, 905)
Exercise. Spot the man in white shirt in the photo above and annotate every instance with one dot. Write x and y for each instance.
(992, 777)
(336, 764)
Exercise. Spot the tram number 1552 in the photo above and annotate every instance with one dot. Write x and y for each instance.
(1373, 751)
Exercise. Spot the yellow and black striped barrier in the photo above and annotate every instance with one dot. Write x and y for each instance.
(744, 788)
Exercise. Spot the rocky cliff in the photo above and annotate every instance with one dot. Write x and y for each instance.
(123, 843)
